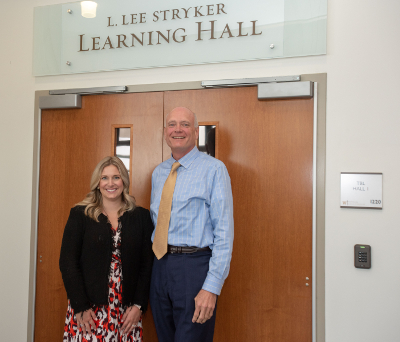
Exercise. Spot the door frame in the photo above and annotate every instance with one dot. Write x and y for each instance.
(319, 161)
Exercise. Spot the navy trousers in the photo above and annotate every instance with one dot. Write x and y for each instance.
(176, 280)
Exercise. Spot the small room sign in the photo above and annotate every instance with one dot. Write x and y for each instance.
(361, 190)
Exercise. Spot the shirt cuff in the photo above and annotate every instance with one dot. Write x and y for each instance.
(213, 284)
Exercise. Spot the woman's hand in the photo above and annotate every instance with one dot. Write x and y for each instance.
(130, 319)
(85, 321)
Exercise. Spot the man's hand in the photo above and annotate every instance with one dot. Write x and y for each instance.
(204, 306)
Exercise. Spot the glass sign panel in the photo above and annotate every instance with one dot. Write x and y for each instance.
(130, 34)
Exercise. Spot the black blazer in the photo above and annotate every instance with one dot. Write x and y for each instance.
(85, 258)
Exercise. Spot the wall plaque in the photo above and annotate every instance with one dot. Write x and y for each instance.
(129, 34)
(361, 190)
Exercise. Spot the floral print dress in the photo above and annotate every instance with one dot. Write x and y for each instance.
(108, 322)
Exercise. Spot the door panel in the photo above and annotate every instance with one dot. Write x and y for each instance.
(267, 148)
(73, 141)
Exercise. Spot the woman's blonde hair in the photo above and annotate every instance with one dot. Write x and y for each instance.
(94, 200)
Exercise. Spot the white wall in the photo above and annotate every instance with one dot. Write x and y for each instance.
(362, 135)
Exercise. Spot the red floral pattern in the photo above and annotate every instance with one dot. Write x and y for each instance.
(108, 323)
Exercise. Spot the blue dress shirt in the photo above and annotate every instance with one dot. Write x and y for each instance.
(201, 212)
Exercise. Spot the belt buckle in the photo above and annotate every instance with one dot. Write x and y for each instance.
(175, 249)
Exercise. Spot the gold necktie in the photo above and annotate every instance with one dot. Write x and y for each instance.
(160, 243)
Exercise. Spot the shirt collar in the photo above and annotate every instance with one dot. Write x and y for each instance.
(187, 159)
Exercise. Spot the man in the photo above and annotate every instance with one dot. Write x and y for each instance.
(188, 278)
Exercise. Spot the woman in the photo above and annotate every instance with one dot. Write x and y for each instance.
(106, 260)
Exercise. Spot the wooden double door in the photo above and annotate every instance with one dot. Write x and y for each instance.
(267, 148)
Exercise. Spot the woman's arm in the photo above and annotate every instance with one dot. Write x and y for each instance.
(71, 250)
(141, 295)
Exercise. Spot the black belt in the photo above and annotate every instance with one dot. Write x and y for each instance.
(177, 249)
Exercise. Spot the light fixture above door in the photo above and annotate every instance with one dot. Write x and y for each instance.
(88, 9)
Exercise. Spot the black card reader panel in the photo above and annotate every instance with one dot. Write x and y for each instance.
(362, 256)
